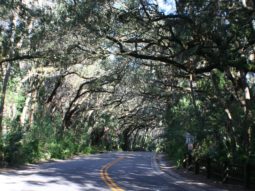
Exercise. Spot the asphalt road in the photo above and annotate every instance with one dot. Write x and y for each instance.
(116, 171)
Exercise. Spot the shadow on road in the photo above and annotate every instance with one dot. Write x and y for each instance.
(136, 171)
(81, 173)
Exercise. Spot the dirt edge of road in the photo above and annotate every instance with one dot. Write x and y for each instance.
(172, 170)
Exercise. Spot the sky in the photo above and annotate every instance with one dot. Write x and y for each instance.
(39, 3)
(166, 6)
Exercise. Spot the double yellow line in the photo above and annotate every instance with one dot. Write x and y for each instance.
(107, 179)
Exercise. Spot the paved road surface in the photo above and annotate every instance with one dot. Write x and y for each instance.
(116, 171)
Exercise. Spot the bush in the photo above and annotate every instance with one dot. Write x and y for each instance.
(13, 152)
(31, 151)
(33, 142)
(55, 150)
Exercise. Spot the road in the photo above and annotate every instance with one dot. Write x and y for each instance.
(116, 171)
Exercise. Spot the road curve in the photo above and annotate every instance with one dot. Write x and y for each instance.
(114, 171)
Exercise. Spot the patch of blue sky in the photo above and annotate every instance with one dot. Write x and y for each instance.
(167, 6)
(164, 6)
(4, 24)
(120, 5)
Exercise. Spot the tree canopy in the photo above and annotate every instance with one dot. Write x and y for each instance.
(117, 74)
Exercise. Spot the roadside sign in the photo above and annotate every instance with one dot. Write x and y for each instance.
(189, 139)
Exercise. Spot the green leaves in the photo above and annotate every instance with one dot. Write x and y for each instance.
(116, 73)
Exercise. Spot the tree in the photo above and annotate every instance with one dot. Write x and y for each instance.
(131, 71)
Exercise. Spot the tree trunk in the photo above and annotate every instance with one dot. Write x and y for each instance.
(248, 119)
(126, 142)
(229, 116)
(26, 109)
(198, 114)
(244, 99)
(3, 95)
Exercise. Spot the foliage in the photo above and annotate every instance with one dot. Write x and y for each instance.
(89, 76)
(12, 150)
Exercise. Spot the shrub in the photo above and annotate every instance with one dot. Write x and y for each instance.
(13, 152)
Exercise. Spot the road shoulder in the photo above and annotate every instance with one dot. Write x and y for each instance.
(198, 180)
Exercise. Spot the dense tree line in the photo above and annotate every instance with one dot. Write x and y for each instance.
(80, 75)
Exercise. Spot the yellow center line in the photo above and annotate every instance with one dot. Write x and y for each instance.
(107, 179)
